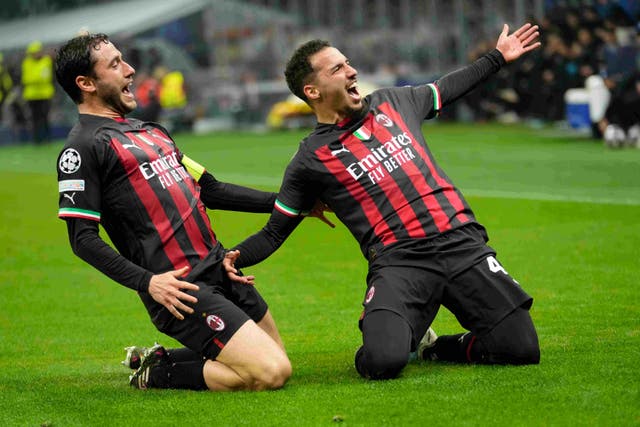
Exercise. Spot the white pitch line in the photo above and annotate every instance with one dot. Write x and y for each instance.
(270, 181)
(579, 198)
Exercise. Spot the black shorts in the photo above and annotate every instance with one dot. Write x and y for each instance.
(457, 270)
(223, 307)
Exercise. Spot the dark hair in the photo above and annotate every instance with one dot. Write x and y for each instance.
(299, 70)
(75, 59)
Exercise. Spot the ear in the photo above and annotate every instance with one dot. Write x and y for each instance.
(86, 84)
(311, 92)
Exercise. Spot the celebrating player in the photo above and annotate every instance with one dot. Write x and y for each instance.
(368, 161)
(129, 176)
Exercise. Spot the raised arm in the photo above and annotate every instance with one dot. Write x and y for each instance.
(509, 47)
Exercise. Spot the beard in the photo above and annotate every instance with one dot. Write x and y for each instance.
(112, 98)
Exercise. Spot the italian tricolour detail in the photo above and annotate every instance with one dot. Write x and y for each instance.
(362, 133)
(286, 209)
(78, 213)
(437, 100)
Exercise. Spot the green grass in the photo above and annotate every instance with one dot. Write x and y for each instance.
(563, 213)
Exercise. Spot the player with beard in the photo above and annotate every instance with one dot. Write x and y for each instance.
(130, 177)
(367, 159)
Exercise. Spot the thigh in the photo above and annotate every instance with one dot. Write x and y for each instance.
(214, 322)
(384, 331)
(256, 358)
(483, 295)
(412, 293)
(247, 298)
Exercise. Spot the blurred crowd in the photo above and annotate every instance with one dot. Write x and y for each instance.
(593, 46)
(161, 92)
(28, 94)
(590, 47)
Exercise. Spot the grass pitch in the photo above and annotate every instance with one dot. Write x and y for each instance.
(563, 213)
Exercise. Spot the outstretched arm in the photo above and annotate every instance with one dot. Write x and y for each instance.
(456, 84)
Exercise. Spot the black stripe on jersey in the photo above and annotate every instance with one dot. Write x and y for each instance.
(428, 212)
(450, 201)
(174, 241)
(190, 190)
(368, 212)
(395, 207)
(172, 251)
(190, 230)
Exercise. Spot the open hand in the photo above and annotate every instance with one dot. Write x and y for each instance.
(167, 289)
(520, 42)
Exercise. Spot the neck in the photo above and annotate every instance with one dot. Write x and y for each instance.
(96, 110)
(331, 117)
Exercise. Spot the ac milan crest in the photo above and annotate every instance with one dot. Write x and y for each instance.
(215, 322)
(370, 294)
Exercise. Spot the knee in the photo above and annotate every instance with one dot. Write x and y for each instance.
(520, 349)
(272, 375)
(527, 352)
(380, 365)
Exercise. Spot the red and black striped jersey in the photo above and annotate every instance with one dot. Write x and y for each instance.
(127, 175)
(377, 173)
(375, 170)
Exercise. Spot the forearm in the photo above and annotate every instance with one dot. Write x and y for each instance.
(456, 84)
(262, 244)
(87, 245)
(220, 195)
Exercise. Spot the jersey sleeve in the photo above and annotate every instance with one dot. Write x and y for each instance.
(87, 244)
(428, 100)
(298, 191)
(79, 183)
(295, 199)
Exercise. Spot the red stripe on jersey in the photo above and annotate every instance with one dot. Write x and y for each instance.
(148, 197)
(167, 144)
(447, 187)
(357, 191)
(390, 187)
(193, 232)
(423, 188)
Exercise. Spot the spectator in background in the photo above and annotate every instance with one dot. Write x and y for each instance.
(146, 90)
(595, 47)
(249, 111)
(621, 122)
(38, 89)
(173, 98)
(6, 84)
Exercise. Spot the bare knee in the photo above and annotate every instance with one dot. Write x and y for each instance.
(271, 375)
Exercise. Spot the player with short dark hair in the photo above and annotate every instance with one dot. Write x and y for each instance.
(130, 177)
(367, 159)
